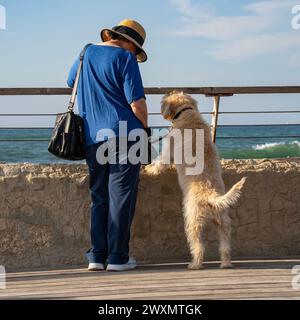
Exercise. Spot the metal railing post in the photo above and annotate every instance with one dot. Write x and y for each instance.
(215, 116)
(215, 113)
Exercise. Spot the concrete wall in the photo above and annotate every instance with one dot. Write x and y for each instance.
(44, 214)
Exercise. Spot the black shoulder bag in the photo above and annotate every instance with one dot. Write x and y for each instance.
(67, 139)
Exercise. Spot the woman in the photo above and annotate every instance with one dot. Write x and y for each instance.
(110, 91)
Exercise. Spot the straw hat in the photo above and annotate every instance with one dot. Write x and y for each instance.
(132, 31)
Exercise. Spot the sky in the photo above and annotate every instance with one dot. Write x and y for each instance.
(189, 43)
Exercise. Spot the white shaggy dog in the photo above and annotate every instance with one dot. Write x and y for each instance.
(204, 194)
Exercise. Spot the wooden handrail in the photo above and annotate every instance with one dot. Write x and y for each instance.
(209, 91)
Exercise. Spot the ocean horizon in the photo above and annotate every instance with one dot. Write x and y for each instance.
(268, 141)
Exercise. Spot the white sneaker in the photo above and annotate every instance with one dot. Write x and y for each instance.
(131, 264)
(95, 266)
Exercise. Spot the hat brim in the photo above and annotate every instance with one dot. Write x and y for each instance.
(141, 57)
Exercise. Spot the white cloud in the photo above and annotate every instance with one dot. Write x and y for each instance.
(274, 6)
(238, 37)
(225, 28)
(187, 9)
(250, 46)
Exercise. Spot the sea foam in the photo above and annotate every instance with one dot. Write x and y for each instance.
(276, 144)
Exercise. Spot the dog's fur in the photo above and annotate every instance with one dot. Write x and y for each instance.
(204, 195)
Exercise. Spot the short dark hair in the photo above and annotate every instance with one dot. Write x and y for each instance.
(115, 36)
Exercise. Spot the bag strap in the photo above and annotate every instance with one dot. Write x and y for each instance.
(74, 92)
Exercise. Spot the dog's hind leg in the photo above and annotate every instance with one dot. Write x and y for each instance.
(224, 228)
(193, 228)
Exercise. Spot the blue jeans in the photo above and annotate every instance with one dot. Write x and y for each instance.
(113, 189)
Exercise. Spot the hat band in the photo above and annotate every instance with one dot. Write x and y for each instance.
(130, 32)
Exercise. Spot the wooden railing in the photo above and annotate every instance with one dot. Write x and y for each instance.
(215, 92)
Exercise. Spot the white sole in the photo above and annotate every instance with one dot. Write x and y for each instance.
(130, 265)
(95, 267)
(117, 268)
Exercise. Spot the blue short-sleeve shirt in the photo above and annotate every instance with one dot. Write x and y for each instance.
(110, 81)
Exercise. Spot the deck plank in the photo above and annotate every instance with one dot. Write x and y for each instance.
(256, 279)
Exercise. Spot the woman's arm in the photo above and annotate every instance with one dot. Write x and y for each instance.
(139, 108)
(72, 74)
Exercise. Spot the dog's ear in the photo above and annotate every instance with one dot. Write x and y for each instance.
(165, 108)
(169, 104)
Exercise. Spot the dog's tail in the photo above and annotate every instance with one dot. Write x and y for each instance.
(228, 199)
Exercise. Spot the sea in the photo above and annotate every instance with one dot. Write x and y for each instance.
(233, 142)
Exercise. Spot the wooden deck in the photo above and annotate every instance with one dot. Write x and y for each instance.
(255, 279)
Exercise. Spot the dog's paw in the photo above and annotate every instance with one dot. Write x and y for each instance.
(226, 265)
(195, 266)
(152, 170)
